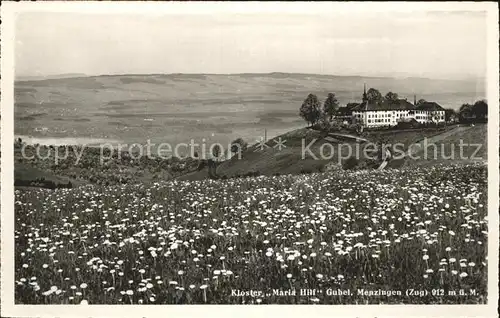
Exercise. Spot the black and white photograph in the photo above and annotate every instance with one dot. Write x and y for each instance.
(274, 154)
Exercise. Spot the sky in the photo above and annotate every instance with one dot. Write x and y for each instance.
(422, 44)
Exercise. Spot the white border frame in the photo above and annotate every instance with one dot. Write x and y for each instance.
(10, 309)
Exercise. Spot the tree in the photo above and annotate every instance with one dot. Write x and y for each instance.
(421, 101)
(359, 129)
(465, 111)
(449, 114)
(324, 122)
(216, 150)
(238, 145)
(310, 110)
(480, 109)
(373, 95)
(331, 105)
(391, 97)
(212, 168)
(465, 107)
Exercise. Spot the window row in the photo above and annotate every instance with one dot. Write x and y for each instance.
(383, 120)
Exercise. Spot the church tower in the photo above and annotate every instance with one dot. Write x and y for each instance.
(365, 98)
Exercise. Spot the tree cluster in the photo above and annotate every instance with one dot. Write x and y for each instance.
(312, 112)
(478, 112)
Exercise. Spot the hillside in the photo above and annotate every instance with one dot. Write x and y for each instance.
(26, 175)
(289, 160)
(447, 147)
(302, 154)
(271, 160)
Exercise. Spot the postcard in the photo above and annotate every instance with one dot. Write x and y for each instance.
(262, 158)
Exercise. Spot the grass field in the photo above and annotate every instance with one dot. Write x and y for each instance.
(28, 172)
(194, 241)
(447, 148)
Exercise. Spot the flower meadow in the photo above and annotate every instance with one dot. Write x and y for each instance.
(194, 242)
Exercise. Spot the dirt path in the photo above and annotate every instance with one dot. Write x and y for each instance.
(386, 160)
(352, 137)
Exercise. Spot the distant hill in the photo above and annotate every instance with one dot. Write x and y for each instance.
(348, 88)
(46, 77)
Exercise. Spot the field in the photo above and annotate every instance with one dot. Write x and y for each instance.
(447, 147)
(441, 148)
(196, 241)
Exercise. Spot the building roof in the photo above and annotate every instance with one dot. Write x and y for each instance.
(430, 106)
(343, 111)
(350, 106)
(399, 104)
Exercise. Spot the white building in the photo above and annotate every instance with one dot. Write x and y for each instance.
(390, 112)
(429, 112)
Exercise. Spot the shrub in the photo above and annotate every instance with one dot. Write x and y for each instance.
(350, 163)
(332, 166)
(238, 145)
(306, 170)
(252, 174)
(335, 126)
